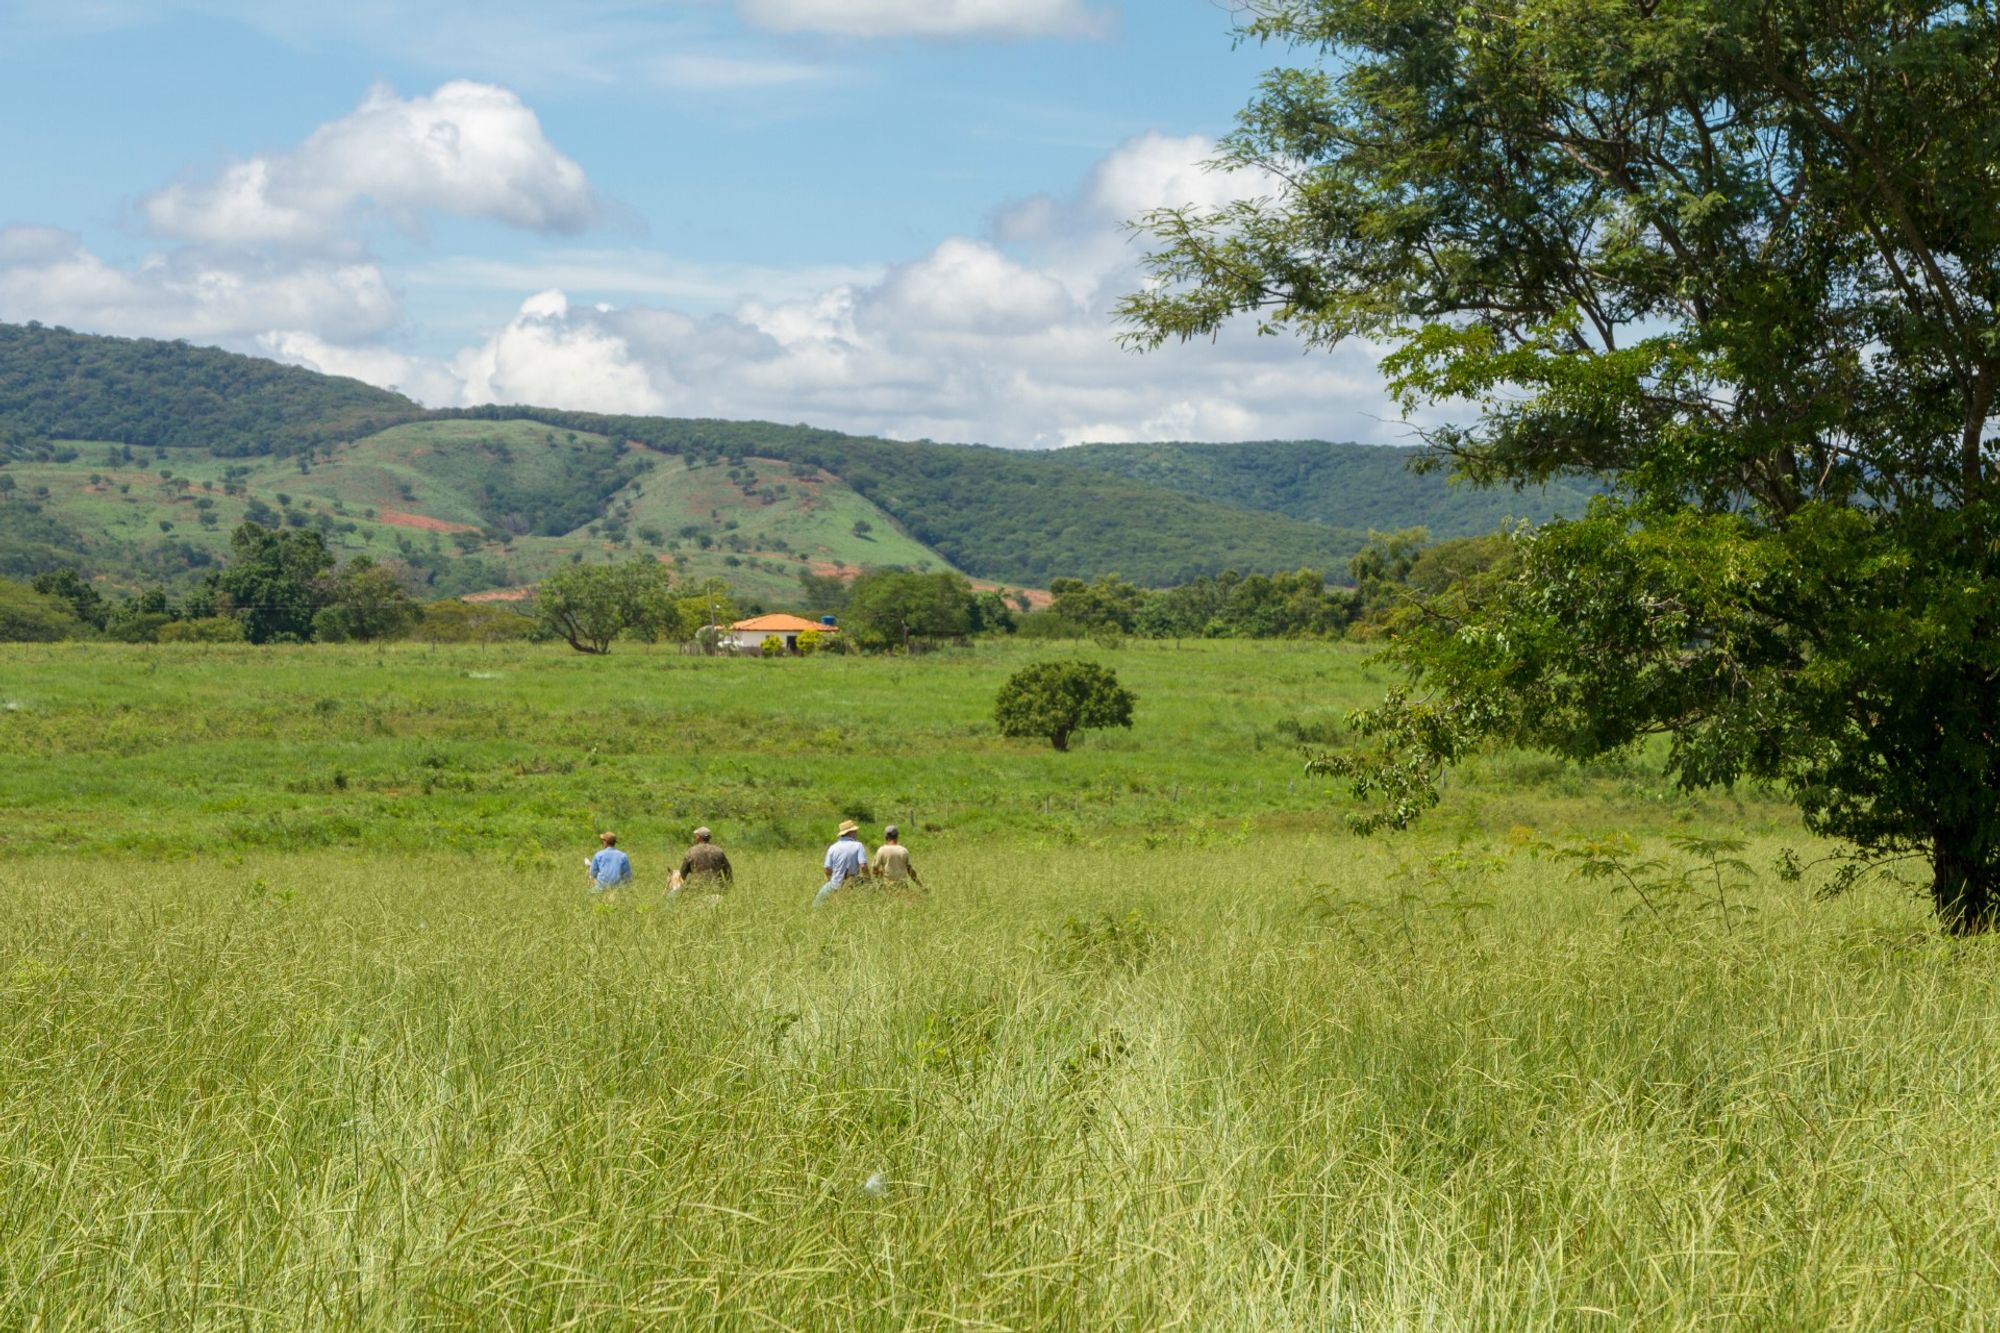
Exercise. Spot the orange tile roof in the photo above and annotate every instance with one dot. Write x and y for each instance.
(778, 624)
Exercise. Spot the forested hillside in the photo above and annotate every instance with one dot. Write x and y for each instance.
(376, 467)
(55, 384)
(1005, 514)
(1344, 485)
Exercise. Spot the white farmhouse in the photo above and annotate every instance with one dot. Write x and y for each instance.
(747, 636)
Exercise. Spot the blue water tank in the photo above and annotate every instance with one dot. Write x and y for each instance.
(829, 621)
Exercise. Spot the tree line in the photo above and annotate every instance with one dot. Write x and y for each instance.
(283, 585)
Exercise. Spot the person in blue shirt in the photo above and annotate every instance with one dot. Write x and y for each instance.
(609, 869)
(846, 859)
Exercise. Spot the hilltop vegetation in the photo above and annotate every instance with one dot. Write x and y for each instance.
(59, 385)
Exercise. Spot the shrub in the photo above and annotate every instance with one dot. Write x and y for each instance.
(471, 622)
(1058, 699)
(27, 616)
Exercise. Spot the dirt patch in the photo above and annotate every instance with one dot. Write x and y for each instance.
(500, 595)
(422, 522)
(1038, 598)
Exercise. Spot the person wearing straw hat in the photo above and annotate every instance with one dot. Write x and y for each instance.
(844, 860)
(705, 867)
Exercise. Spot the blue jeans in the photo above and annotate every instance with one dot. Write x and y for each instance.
(826, 890)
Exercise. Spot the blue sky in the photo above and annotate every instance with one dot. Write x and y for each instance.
(894, 216)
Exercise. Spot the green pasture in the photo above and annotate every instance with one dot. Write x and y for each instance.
(307, 1021)
(182, 750)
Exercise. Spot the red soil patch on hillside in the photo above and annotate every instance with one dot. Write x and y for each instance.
(1038, 598)
(422, 522)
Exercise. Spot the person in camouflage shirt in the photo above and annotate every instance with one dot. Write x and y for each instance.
(705, 867)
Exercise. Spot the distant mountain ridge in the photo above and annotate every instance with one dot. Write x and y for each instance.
(1366, 486)
(1158, 514)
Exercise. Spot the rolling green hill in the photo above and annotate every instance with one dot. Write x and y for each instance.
(134, 458)
(472, 505)
(1343, 485)
(1006, 514)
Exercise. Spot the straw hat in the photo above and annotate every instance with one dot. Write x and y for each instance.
(848, 826)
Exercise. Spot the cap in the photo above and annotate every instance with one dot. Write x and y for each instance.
(701, 834)
(889, 832)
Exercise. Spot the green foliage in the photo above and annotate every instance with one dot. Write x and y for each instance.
(55, 383)
(33, 541)
(1055, 700)
(364, 601)
(846, 501)
(28, 616)
(773, 646)
(1002, 514)
(823, 594)
(1299, 605)
(710, 602)
(1760, 299)
(1345, 486)
(454, 621)
(588, 606)
(1108, 603)
(1107, 942)
(896, 608)
(85, 602)
(203, 629)
(1704, 880)
(1398, 575)
(274, 584)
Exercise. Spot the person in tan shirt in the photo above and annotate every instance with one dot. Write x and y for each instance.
(892, 861)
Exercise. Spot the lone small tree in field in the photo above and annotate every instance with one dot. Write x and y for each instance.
(1059, 699)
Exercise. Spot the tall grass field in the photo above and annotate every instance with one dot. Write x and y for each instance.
(308, 1021)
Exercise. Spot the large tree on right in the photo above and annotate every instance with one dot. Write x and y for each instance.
(1742, 261)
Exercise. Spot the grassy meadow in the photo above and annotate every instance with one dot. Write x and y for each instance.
(306, 1019)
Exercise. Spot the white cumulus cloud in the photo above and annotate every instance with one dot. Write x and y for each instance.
(468, 149)
(931, 18)
(188, 293)
(425, 380)
(1009, 339)
(1005, 338)
(545, 357)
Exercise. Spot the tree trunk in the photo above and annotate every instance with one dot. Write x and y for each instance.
(1963, 887)
(1060, 738)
